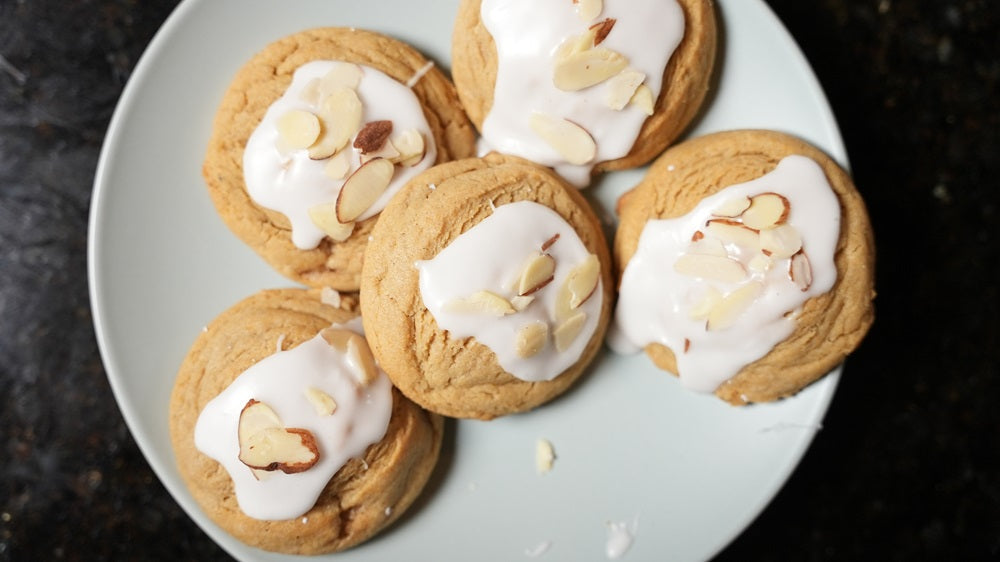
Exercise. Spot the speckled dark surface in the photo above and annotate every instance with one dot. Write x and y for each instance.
(905, 468)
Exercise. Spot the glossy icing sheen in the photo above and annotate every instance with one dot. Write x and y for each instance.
(654, 300)
(280, 381)
(490, 256)
(292, 183)
(527, 34)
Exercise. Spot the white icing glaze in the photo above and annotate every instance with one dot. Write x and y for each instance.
(490, 256)
(280, 380)
(292, 183)
(654, 300)
(528, 32)
(620, 537)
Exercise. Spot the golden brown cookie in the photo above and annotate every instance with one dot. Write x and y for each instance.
(422, 233)
(829, 326)
(685, 79)
(260, 83)
(363, 497)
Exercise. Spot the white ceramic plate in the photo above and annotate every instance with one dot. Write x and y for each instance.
(685, 472)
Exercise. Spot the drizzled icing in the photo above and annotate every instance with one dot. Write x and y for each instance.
(527, 34)
(281, 381)
(291, 183)
(490, 256)
(655, 301)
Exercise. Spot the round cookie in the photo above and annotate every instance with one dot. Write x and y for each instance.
(456, 374)
(685, 79)
(262, 81)
(828, 326)
(364, 496)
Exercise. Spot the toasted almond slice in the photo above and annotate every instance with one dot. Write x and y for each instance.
(602, 29)
(731, 232)
(729, 309)
(621, 87)
(582, 281)
(342, 75)
(267, 446)
(340, 117)
(298, 128)
(536, 274)
(705, 303)
(643, 99)
(531, 339)
(715, 268)
(782, 241)
(521, 302)
(766, 210)
(373, 135)
(733, 207)
(586, 68)
(363, 188)
(800, 271)
(576, 44)
(324, 216)
(588, 9)
(324, 404)
(568, 330)
(411, 147)
(570, 140)
(481, 302)
(708, 246)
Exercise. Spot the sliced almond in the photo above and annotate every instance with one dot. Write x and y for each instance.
(545, 456)
(759, 263)
(537, 273)
(298, 128)
(521, 302)
(570, 140)
(324, 404)
(621, 87)
(782, 241)
(363, 188)
(732, 207)
(729, 309)
(548, 243)
(643, 99)
(601, 30)
(355, 348)
(267, 446)
(731, 232)
(568, 330)
(388, 151)
(342, 75)
(703, 306)
(576, 44)
(373, 135)
(582, 281)
(481, 302)
(766, 210)
(324, 216)
(715, 268)
(800, 271)
(588, 9)
(411, 147)
(310, 93)
(338, 166)
(531, 339)
(708, 246)
(340, 117)
(586, 68)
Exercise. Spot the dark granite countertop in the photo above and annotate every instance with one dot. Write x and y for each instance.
(905, 467)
